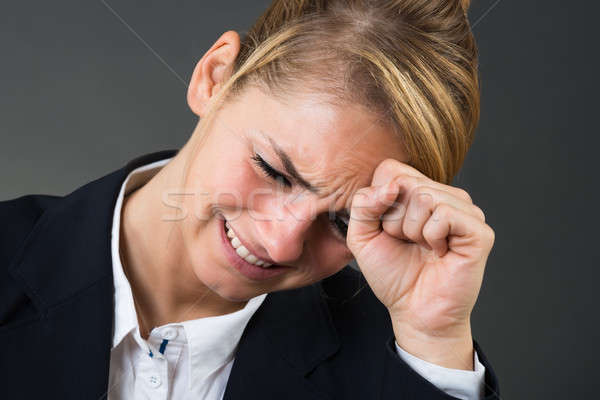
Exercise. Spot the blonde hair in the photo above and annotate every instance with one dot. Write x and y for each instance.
(414, 62)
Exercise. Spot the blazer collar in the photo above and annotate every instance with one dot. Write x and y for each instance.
(68, 251)
(288, 336)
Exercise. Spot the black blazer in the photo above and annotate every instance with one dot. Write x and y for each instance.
(56, 316)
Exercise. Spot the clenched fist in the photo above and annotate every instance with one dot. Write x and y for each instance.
(422, 247)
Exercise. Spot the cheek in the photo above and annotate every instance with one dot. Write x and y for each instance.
(226, 186)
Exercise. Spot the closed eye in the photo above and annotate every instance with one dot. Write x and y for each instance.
(339, 223)
(270, 171)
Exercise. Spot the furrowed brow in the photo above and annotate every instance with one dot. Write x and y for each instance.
(290, 168)
(293, 172)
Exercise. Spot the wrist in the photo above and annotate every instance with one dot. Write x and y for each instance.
(451, 348)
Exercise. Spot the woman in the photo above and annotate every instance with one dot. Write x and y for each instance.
(329, 133)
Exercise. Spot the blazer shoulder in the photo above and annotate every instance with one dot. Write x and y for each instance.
(18, 217)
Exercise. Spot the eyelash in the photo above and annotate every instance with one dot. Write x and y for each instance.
(339, 227)
(342, 229)
(270, 171)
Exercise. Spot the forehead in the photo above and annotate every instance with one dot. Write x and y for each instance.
(333, 146)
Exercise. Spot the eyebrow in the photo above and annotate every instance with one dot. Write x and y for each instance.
(289, 166)
(291, 170)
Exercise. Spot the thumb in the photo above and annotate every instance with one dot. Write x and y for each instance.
(368, 206)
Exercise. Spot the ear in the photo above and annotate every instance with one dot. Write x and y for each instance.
(212, 71)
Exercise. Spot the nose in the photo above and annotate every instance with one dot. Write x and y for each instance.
(284, 228)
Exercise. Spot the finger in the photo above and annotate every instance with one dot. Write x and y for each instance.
(368, 205)
(409, 226)
(420, 208)
(406, 217)
(451, 228)
(441, 195)
(390, 168)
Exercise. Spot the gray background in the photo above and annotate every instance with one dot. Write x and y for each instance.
(81, 94)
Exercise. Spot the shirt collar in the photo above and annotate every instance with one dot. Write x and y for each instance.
(212, 341)
(125, 319)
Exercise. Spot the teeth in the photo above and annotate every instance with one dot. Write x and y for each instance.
(242, 251)
(230, 234)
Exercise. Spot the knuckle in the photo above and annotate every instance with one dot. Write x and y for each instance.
(363, 192)
(388, 164)
(404, 177)
(392, 167)
(479, 213)
(424, 200)
(387, 167)
(362, 197)
(421, 190)
(443, 210)
(413, 185)
(393, 228)
(463, 194)
(489, 233)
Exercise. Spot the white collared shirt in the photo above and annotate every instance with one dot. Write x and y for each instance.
(193, 359)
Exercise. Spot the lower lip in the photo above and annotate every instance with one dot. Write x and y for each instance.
(250, 271)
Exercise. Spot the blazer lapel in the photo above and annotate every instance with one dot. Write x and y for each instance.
(65, 267)
(287, 337)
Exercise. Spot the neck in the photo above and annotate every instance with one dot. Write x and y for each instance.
(164, 285)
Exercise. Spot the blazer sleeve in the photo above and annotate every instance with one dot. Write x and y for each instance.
(400, 377)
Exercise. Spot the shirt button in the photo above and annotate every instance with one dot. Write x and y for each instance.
(154, 381)
(169, 334)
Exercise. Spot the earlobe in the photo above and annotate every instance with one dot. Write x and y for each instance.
(213, 69)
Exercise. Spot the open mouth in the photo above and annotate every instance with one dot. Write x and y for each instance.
(241, 250)
(243, 260)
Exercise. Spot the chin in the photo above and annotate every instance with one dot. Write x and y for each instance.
(233, 293)
(236, 298)
(226, 286)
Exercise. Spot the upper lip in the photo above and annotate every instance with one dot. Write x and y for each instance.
(251, 249)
